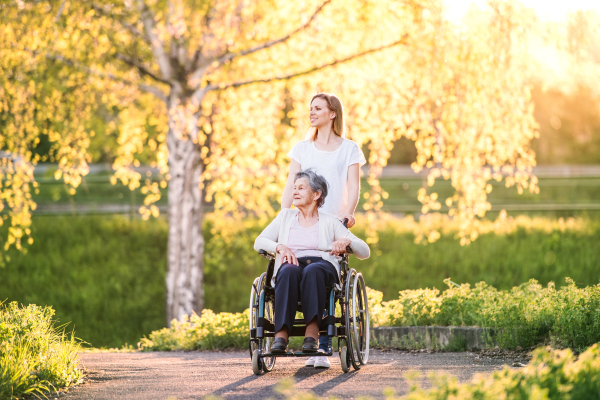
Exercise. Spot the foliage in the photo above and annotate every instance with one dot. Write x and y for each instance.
(207, 332)
(551, 374)
(212, 75)
(526, 315)
(35, 356)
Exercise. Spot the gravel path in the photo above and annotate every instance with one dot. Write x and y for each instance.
(192, 375)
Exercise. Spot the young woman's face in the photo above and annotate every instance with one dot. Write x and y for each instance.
(303, 195)
(320, 114)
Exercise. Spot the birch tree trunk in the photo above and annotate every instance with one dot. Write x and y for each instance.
(185, 254)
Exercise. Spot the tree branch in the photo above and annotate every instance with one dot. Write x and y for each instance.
(227, 57)
(60, 11)
(155, 43)
(142, 70)
(197, 60)
(142, 86)
(223, 86)
(131, 28)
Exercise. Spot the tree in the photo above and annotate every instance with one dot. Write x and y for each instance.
(204, 85)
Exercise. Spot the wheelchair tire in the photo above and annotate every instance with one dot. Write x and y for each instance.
(255, 290)
(344, 359)
(256, 363)
(267, 364)
(357, 319)
(360, 315)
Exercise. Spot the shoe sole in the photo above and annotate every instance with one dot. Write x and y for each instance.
(279, 351)
(310, 351)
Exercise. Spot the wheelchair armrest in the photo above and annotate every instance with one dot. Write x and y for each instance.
(266, 254)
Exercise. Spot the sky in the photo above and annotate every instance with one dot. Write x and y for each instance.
(553, 10)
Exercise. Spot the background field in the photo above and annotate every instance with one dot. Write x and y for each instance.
(105, 274)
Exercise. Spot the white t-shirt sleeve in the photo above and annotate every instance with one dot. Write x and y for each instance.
(357, 156)
(297, 151)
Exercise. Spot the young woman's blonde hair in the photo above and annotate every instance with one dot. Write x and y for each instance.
(335, 105)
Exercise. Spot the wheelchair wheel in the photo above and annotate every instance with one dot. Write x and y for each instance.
(357, 319)
(266, 364)
(256, 363)
(253, 309)
(360, 315)
(344, 359)
(269, 362)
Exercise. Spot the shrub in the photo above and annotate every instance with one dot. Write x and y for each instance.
(527, 314)
(551, 374)
(35, 357)
(207, 332)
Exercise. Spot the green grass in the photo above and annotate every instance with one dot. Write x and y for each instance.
(35, 356)
(105, 274)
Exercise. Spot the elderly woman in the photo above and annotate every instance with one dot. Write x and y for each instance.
(303, 265)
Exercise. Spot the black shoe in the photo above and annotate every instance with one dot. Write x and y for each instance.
(280, 345)
(310, 345)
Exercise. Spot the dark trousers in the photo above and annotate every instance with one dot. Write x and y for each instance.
(307, 283)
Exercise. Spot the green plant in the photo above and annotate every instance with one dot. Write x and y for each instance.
(35, 356)
(526, 315)
(207, 332)
(551, 374)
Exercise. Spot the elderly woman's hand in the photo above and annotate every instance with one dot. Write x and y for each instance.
(287, 255)
(338, 247)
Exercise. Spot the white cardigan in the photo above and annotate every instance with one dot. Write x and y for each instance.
(330, 230)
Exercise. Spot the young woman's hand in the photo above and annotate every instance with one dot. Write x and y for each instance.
(338, 247)
(287, 255)
(351, 220)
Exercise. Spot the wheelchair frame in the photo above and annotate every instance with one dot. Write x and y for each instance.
(351, 328)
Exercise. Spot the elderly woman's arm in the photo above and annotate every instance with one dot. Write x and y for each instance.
(267, 240)
(359, 248)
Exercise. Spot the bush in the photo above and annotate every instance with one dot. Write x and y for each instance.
(35, 357)
(527, 314)
(206, 332)
(551, 374)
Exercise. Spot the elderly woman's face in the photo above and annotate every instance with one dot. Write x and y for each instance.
(303, 195)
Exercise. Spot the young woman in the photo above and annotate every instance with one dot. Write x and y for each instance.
(338, 160)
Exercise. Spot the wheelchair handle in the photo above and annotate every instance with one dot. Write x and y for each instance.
(345, 222)
(266, 254)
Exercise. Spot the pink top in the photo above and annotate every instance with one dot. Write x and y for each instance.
(304, 242)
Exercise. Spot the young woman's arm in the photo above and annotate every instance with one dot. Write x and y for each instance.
(353, 193)
(286, 199)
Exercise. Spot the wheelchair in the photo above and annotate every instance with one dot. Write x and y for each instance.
(351, 327)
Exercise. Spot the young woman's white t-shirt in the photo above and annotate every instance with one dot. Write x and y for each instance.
(333, 166)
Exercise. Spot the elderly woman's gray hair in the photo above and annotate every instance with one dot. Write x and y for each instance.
(317, 184)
